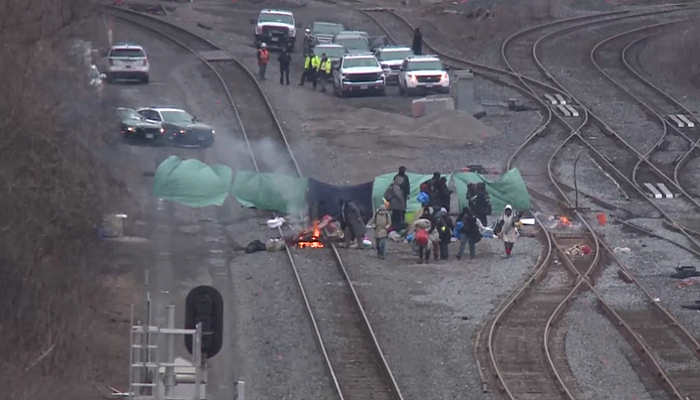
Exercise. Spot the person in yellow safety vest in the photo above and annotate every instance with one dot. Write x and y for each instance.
(263, 59)
(311, 63)
(324, 71)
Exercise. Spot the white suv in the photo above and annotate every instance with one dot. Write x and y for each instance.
(127, 61)
(275, 28)
(359, 73)
(423, 74)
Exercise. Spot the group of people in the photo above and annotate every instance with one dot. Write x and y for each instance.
(316, 69)
(432, 228)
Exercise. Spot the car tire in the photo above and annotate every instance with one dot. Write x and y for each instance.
(145, 79)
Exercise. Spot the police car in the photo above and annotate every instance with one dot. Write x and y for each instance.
(127, 61)
(423, 74)
(276, 28)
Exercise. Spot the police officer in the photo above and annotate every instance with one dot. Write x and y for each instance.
(310, 66)
(324, 71)
(263, 59)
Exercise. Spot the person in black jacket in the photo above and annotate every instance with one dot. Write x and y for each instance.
(481, 203)
(445, 229)
(444, 194)
(417, 42)
(406, 184)
(351, 223)
(284, 59)
(470, 232)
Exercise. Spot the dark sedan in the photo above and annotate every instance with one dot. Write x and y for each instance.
(180, 127)
(135, 127)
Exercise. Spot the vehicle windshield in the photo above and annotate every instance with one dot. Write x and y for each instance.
(281, 18)
(394, 55)
(327, 28)
(353, 43)
(360, 62)
(176, 116)
(127, 53)
(428, 65)
(331, 52)
(128, 113)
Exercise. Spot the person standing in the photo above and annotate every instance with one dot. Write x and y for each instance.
(445, 227)
(417, 42)
(310, 65)
(421, 228)
(351, 223)
(406, 184)
(382, 222)
(263, 59)
(324, 72)
(284, 59)
(397, 202)
(506, 229)
(470, 232)
(444, 193)
(482, 203)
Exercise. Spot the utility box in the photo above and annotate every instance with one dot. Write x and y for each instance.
(464, 92)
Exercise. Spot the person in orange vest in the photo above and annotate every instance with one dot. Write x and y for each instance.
(263, 58)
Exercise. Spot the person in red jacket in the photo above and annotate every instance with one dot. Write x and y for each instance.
(263, 59)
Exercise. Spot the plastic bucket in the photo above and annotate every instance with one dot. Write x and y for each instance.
(602, 219)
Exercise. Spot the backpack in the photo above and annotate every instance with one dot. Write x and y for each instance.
(421, 237)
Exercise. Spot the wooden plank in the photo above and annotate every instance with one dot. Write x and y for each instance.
(551, 99)
(676, 121)
(563, 110)
(561, 99)
(572, 110)
(688, 123)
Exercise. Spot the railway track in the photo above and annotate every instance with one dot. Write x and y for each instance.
(656, 103)
(354, 359)
(515, 374)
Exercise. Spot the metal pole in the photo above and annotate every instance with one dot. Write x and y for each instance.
(131, 350)
(197, 350)
(575, 183)
(146, 336)
(169, 378)
(240, 390)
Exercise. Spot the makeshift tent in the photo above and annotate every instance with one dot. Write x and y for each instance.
(382, 182)
(508, 189)
(191, 182)
(266, 191)
(326, 198)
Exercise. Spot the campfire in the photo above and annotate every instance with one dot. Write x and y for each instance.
(310, 237)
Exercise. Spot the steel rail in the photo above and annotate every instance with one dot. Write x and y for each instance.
(541, 268)
(662, 93)
(604, 126)
(385, 366)
(673, 321)
(648, 108)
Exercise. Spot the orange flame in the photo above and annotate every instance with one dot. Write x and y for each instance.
(313, 243)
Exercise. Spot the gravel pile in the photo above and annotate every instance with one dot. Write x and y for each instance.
(599, 356)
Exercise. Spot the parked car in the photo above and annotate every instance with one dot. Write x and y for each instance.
(179, 127)
(322, 33)
(352, 42)
(275, 28)
(334, 52)
(134, 126)
(391, 58)
(127, 61)
(423, 74)
(359, 73)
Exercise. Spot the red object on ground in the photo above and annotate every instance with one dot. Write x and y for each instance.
(586, 250)
(602, 219)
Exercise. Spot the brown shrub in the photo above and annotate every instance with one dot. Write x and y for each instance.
(53, 191)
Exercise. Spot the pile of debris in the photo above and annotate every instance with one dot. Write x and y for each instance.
(579, 250)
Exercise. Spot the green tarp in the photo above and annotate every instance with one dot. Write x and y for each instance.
(508, 189)
(382, 182)
(191, 182)
(274, 192)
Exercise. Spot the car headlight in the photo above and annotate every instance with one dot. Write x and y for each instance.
(213, 132)
(412, 78)
(162, 131)
(292, 32)
(182, 131)
(445, 77)
(130, 129)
